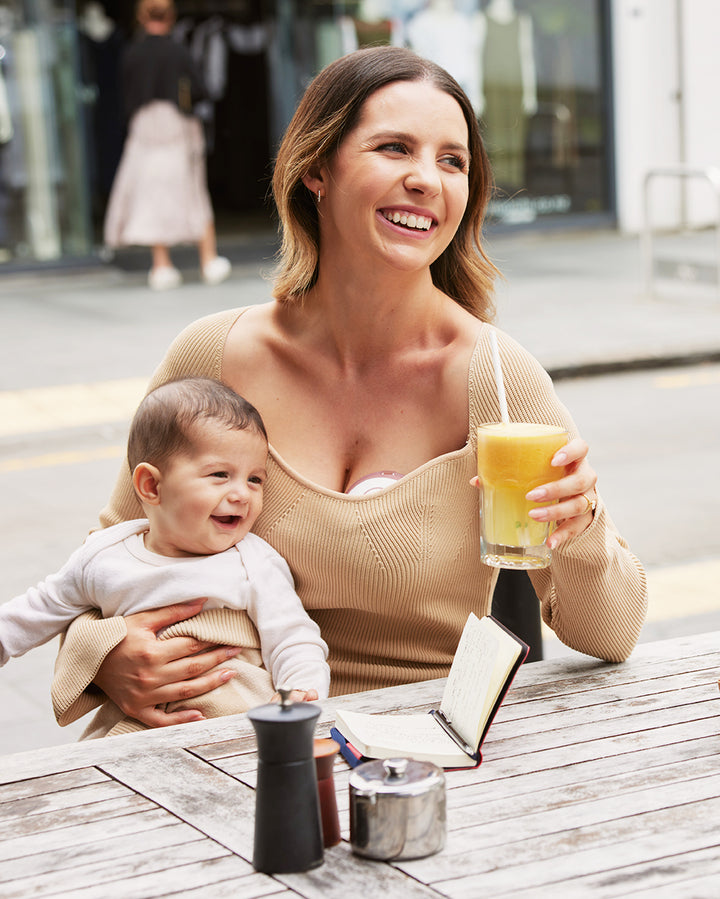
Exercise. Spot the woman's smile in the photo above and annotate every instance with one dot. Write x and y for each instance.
(408, 220)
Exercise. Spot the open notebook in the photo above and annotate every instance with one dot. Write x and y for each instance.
(485, 662)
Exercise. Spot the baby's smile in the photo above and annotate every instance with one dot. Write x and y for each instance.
(228, 521)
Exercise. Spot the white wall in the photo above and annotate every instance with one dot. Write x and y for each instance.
(701, 107)
(656, 126)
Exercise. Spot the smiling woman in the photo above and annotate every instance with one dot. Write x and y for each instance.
(375, 356)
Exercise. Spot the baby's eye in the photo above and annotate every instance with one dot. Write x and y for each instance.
(256, 479)
(219, 474)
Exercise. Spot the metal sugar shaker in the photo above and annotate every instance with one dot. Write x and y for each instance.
(397, 809)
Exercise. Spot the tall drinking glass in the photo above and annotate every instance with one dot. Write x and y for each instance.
(514, 458)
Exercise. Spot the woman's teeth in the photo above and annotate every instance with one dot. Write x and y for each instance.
(419, 222)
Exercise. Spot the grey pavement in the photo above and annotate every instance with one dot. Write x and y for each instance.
(576, 300)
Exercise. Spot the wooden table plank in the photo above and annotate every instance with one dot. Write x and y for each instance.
(105, 851)
(35, 839)
(52, 783)
(507, 864)
(250, 887)
(174, 866)
(194, 791)
(638, 766)
(677, 875)
(62, 804)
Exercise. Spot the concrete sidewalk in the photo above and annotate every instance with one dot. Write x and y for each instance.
(578, 303)
(575, 300)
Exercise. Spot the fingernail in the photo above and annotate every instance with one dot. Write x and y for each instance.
(232, 652)
(226, 675)
(559, 458)
(536, 495)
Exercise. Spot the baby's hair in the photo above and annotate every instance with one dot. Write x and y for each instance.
(163, 424)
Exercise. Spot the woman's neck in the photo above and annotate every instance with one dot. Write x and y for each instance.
(366, 321)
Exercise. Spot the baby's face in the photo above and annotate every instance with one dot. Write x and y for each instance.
(211, 497)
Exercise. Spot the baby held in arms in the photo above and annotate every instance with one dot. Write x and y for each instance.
(197, 452)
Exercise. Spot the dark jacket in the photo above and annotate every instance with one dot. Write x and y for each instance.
(157, 67)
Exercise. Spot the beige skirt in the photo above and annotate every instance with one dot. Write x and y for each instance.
(160, 195)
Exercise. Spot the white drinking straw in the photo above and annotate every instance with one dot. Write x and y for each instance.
(504, 417)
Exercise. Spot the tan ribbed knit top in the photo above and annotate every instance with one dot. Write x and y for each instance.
(391, 577)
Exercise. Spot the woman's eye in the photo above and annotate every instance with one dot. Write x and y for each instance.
(219, 474)
(393, 147)
(456, 162)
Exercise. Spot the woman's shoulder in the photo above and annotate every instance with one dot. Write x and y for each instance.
(253, 330)
(528, 386)
(199, 348)
(515, 359)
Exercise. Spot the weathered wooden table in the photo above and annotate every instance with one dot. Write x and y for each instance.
(598, 780)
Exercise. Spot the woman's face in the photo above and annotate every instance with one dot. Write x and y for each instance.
(396, 190)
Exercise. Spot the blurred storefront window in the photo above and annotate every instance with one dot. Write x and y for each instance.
(535, 70)
(43, 184)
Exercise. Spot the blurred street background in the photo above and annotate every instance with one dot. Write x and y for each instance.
(640, 375)
(599, 120)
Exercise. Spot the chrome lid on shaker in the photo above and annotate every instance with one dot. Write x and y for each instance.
(402, 776)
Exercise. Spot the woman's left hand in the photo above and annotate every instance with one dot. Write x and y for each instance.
(571, 495)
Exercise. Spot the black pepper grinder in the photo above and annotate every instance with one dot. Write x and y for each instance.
(288, 834)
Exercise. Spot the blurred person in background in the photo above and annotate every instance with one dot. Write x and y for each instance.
(159, 197)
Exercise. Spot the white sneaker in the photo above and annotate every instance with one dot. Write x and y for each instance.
(217, 270)
(164, 278)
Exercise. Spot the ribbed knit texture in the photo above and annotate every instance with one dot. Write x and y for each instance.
(391, 577)
(89, 634)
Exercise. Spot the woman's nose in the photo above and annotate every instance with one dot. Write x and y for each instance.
(424, 176)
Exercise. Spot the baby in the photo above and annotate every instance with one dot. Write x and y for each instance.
(197, 452)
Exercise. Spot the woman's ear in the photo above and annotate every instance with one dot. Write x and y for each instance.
(146, 481)
(314, 182)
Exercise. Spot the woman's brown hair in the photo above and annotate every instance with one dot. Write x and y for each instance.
(328, 111)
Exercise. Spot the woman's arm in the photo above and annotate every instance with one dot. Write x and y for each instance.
(134, 669)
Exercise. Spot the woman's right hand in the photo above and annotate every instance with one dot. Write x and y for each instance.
(142, 672)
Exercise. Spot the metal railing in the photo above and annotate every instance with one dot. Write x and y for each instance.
(710, 174)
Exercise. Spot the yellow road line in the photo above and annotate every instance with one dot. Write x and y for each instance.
(39, 409)
(53, 460)
(698, 377)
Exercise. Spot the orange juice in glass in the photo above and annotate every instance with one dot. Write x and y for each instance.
(513, 458)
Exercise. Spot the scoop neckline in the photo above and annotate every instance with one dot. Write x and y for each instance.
(305, 482)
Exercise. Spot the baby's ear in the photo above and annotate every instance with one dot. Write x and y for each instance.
(146, 481)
